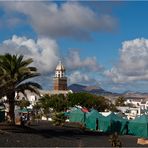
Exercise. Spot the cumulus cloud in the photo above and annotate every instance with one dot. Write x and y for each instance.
(45, 54)
(80, 77)
(74, 61)
(133, 63)
(44, 51)
(69, 19)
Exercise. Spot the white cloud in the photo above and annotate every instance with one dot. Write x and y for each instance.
(69, 19)
(79, 77)
(133, 62)
(74, 61)
(45, 54)
(44, 51)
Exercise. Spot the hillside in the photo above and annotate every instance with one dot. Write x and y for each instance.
(89, 89)
(100, 91)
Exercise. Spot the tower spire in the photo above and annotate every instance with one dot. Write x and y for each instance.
(60, 81)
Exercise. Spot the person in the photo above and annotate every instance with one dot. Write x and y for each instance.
(22, 120)
(28, 119)
(28, 116)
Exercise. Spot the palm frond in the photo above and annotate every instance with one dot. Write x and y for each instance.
(34, 84)
(26, 77)
(6, 87)
(26, 62)
(20, 58)
(31, 86)
(14, 70)
(32, 69)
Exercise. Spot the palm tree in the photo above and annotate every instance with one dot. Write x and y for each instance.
(14, 73)
(5, 83)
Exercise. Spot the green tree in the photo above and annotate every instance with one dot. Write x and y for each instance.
(87, 100)
(36, 108)
(57, 102)
(44, 103)
(103, 104)
(81, 98)
(112, 107)
(23, 103)
(55, 105)
(58, 118)
(15, 70)
(36, 114)
(120, 101)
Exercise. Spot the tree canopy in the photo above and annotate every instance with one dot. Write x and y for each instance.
(14, 71)
(23, 103)
(60, 102)
(120, 101)
(87, 100)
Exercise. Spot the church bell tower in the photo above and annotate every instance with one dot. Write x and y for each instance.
(60, 80)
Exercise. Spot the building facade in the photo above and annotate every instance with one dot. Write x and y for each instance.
(60, 80)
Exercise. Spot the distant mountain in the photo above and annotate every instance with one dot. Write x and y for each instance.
(77, 87)
(89, 89)
(132, 94)
(100, 91)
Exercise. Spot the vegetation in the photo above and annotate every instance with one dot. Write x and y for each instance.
(23, 103)
(57, 102)
(87, 100)
(44, 104)
(14, 70)
(114, 140)
(60, 103)
(54, 105)
(58, 118)
(120, 101)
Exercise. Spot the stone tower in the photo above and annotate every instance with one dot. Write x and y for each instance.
(59, 80)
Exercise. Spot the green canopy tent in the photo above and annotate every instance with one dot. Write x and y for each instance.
(93, 120)
(139, 126)
(77, 116)
(67, 113)
(114, 123)
(24, 110)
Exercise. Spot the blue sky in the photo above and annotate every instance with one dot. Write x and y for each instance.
(100, 43)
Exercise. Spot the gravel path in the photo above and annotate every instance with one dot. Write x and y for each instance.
(45, 135)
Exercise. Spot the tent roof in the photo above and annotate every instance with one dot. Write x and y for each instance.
(94, 113)
(113, 116)
(84, 109)
(141, 119)
(77, 111)
(24, 110)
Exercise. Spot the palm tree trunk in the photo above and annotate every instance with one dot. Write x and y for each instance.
(11, 100)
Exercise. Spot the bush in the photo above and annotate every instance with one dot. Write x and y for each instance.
(58, 119)
(114, 140)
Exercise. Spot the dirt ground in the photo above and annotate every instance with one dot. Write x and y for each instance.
(42, 134)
